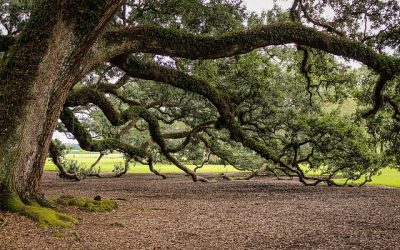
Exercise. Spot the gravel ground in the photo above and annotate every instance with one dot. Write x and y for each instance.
(178, 214)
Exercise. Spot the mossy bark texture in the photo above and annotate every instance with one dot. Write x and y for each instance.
(40, 68)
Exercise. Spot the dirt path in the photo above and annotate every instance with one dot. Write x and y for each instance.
(179, 214)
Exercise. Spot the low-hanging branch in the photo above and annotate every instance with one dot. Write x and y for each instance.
(86, 142)
(170, 42)
(189, 136)
(96, 95)
(55, 156)
(222, 155)
(155, 133)
(86, 95)
(152, 71)
(173, 77)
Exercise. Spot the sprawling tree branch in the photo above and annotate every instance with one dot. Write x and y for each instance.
(378, 96)
(189, 136)
(86, 95)
(177, 43)
(87, 143)
(152, 71)
(395, 107)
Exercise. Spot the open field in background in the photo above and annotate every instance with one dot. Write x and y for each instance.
(388, 177)
(107, 165)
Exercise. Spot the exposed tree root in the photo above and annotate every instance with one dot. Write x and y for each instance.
(45, 217)
(48, 217)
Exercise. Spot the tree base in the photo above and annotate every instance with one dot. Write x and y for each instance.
(48, 217)
(45, 217)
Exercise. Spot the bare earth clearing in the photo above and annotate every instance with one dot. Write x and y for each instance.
(179, 214)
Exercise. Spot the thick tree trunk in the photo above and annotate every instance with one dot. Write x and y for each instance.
(43, 65)
(29, 81)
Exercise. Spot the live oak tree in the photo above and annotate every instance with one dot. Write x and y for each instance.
(48, 47)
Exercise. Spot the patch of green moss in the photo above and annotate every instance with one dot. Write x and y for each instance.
(60, 234)
(47, 217)
(12, 203)
(103, 205)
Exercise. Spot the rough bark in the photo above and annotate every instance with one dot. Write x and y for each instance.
(40, 68)
(28, 78)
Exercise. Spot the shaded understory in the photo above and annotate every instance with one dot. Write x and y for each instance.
(178, 214)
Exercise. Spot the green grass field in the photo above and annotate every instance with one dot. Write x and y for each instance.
(388, 177)
(107, 165)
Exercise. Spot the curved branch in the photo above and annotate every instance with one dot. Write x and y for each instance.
(214, 150)
(205, 160)
(305, 70)
(87, 143)
(378, 96)
(152, 71)
(152, 169)
(189, 136)
(56, 158)
(87, 95)
(395, 107)
(126, 168)
(156, 135)
(170, 42)
(317, 23)
(96, 162)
